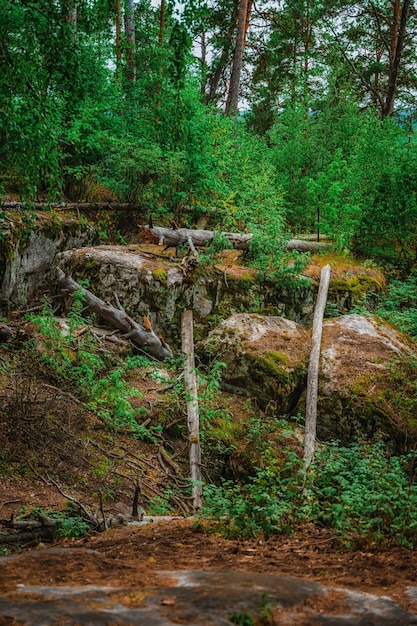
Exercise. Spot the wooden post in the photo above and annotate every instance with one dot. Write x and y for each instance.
(313, 368)
(190, 382)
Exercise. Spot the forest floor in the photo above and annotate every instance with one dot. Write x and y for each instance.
(132, 556)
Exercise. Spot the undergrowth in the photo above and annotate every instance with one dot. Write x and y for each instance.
(399, 304)
(359, 491)
(74, 359)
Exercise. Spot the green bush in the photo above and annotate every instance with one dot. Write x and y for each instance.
(364, 493)
(74, 362)
(399, 304)
(359, 491)
(265, 504)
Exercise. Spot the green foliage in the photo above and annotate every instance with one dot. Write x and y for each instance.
(74, 362)
(266, 504)
(360, 491)
(389, 225)
(364, 493)
(399, 304)
(268, 254)
(69, 524)
(47, 78)
(349, 175)
(69, 527)
(161, 505)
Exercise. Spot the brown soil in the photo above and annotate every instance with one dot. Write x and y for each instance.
(129, 557)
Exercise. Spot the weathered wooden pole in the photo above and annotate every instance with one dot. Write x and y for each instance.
(190, 382)
(313, 368)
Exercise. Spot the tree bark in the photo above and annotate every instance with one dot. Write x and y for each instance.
(118, 34)
(313, 368)
(161, 23)
(72, 18)
(234, 85)
(219, 65)
(44, 534)
(130, 40)
(398, 33)
(190, 382)
(141, 337)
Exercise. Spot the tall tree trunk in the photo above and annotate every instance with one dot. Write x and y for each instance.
(161, 34)
(70, 10)
(308, 36)
(220, 65)
(234, 85)
(72, 17)
(118, 34)
(203, 62)
(398, 32)
(161, 23)
(130, 40)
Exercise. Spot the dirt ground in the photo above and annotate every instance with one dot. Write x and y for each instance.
(130, 557)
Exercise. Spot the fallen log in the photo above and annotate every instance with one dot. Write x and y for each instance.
(174, 237)
(34, 536)
(29, 530)
(68, 206)
(43, 521)
(308, 246)
(143, 337)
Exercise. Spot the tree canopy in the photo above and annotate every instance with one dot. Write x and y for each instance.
(296, 114)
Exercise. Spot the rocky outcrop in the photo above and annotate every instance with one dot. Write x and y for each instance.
(150, 282)
(28, 247)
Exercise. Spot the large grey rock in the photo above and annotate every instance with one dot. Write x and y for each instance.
(265, 358)
(152, 283)
(203, 599)
(27, 251)
(365, 366)
(364, 370)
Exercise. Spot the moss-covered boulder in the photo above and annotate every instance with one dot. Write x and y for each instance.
(265, 358)
(368, 381)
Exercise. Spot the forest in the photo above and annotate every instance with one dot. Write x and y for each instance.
(279, 118)
(289, 116)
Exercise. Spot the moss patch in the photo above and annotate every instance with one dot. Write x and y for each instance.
(160, 274)
(274, 364)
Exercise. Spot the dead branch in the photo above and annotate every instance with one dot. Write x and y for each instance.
(181, 505)
(190, 382)
(137, 513)
(140, 336)
(89, 517)
(65, 394)
(313, 369)
(9, 502)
